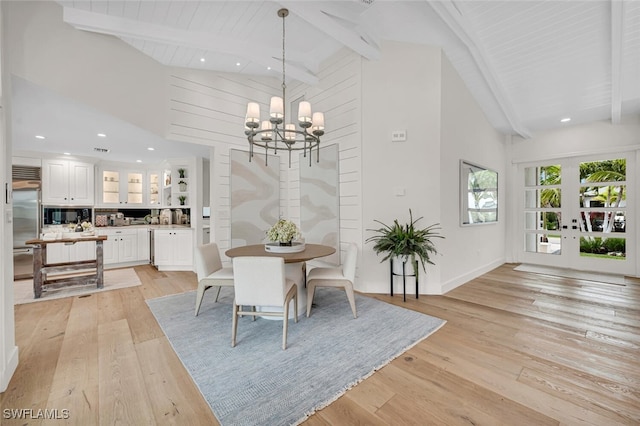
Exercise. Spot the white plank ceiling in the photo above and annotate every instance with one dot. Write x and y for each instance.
(528, 63)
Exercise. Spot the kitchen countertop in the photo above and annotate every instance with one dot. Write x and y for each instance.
(144, 226)
(61, 228)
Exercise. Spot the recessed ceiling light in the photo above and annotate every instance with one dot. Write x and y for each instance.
(138, 161)
(66, 153)
(565, 120)
(268, 68)
(151, 148)
(102, 135)
(202, 59)
(39, 137)
(237, 64)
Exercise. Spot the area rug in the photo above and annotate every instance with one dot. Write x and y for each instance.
(258, 383)
(572, 273)
(113, 279)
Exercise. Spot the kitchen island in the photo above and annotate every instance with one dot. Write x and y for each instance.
(42, 269)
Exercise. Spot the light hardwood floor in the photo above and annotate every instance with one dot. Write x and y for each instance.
(518, 349)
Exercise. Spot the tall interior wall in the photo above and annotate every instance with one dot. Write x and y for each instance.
(467, 135)
(400, 92)
(8, 348)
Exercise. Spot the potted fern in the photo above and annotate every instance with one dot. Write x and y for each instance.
(406, 242)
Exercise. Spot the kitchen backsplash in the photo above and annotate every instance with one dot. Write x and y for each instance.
(103, 216)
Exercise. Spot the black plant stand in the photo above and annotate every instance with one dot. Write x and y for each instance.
(404, 279)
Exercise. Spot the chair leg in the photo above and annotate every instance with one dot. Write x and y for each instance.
(218, 293)
(295, 306)
(311, 290)
(253, 317)
(234, 324)
(285, 324)
(304, 273)
(352, 301)
(199, 296)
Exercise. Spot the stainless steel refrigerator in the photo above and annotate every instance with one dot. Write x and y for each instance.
(26, 226)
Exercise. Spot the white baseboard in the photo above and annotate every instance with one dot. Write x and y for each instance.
(462, 279)
(9, 369)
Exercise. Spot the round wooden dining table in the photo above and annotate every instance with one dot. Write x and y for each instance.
(295, 267)
(311, 251)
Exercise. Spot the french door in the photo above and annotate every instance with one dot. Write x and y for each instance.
(578, 213)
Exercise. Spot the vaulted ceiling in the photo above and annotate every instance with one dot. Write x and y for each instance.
(529, 64)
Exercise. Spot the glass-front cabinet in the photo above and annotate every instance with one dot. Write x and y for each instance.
(154, 189)
(122, 187)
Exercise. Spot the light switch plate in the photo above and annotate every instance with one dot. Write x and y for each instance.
(398, 136)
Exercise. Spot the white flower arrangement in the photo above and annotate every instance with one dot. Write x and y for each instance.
(283, 232)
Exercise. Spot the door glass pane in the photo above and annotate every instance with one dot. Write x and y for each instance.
(603, 203)
(543, 175)
(604, 248)
(543, 243)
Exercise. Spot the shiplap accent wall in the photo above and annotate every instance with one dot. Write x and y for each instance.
(209, 109)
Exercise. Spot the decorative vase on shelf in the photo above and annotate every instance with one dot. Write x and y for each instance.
(183, 186)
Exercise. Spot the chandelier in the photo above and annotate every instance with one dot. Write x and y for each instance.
(273, 134)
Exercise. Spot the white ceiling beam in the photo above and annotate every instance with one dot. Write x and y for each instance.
(617, 40)
(127, 28)
(458, 23)
(324, 21)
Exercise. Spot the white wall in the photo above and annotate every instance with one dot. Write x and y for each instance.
(415, 88)
(8, 348)
(98, 70)
(400, 91)
(468, 251)
(574, 140)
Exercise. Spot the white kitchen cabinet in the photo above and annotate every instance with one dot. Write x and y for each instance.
(67, 182)
(121, 246)
(173, 249)
(122, 187)
(144, 248)
(67, 252)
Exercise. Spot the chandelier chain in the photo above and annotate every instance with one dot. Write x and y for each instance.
(284, 86)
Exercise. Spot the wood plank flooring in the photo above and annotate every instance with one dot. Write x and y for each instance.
(518, 349)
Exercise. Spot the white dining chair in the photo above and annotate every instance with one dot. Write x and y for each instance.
(342, 276)
(210, 272)
(261, 281)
